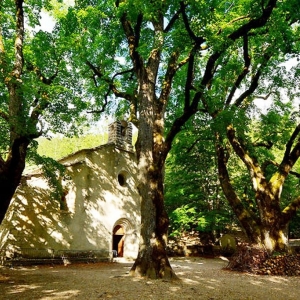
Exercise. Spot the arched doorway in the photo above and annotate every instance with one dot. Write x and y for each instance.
(123, 238)
(118, 240)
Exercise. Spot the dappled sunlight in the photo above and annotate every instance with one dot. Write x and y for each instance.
(182, 267)
(112, 280)
(43, 294)
(278, 279)
(60, 295)
(257, 282)
(17, 289)
(194, 272)
(188, 280)
(94, 200)
(174, 289)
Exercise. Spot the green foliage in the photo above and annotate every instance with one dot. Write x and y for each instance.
(58, 147)
(53, 171)
(182, 219)
(193, 196)
(49, 85)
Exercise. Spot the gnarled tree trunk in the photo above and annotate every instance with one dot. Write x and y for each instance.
(267, 225)
(12, 166)
(152, 260)
(10, 173)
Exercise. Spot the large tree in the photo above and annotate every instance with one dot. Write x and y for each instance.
(165, 61)
(264, 213)
(256, 138)
(35, 92)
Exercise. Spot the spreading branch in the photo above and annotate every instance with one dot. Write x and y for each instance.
(189, 81)
(274, 163)
(111, 86)
(247, 218)
(197, 39)
(267, 144)
(254, 170)
(41, 76)
(133, 41)
(172, 21)
(290, 210)
(255, 23)
(267, 96)
(289, 144)
(167, 83)
(244, 72)
(255, 79)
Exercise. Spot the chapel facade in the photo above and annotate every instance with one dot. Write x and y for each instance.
(99, 209)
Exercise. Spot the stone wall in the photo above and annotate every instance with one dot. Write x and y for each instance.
(120, 133)
(100, 193)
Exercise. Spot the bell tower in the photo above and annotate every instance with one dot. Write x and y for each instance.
(120, 133)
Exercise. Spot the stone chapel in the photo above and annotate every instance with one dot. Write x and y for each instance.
(99, 210)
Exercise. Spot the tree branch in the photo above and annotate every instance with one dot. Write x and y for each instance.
(273, 163)
(251, 164)
(112, 86)
(267, 144)
(41, 76)
(244, 72)
(167, 83)
(193, 107)
(255, 23)
(19, 59)
(133, 41)
(290, 210)
(189, 80)
(267, 96)
(196, 39)
(254, 80)
(173, 20)
(247, 219)
(137, 30)
(289, 144)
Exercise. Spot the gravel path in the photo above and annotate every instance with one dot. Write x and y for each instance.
(201, 278)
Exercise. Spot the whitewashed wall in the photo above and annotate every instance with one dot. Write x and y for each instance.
(96, 202)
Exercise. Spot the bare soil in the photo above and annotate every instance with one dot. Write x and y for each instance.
(200, 278)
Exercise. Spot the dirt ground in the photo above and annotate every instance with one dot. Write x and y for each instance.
(200, 278)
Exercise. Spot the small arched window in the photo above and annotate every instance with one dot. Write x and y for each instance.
(63, 201)
(122, 178)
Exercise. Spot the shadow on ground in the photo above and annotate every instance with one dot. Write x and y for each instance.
(201, 278)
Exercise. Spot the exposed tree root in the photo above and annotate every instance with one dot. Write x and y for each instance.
(149, 271)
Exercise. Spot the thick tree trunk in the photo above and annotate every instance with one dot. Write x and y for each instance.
(272, 225)
(266, 228)
(274, 239)
(152, 260)
(10, 174)
(266, 224)
(12, 165)
(7, 187)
